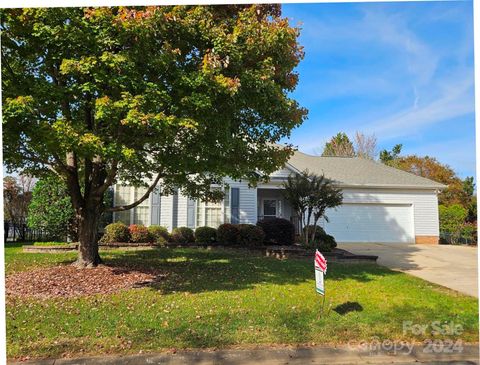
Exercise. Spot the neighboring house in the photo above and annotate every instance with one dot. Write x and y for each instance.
(381, 204)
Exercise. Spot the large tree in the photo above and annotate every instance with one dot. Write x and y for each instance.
(185, 95)
(389, 157)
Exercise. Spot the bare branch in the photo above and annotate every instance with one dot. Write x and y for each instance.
(365, 146)
(27, 156)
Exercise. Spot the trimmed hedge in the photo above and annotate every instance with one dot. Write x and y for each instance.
(278, 231)
(228, 234)
(183, 235)
(251, 235)
(140, 234)
(116, 232)
(160, 233)
(323, 241)
(205, 235)
(51, 243)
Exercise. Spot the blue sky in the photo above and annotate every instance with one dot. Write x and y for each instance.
(403, 71)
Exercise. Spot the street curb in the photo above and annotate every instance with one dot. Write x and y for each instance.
(292, 356)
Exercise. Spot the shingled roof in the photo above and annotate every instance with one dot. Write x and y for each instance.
(354, 171)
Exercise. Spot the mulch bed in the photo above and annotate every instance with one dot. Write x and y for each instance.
(68, 281)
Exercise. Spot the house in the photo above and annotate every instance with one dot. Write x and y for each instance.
(381, 203)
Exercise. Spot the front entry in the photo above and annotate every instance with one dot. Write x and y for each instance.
(271, 208)
(272, 204)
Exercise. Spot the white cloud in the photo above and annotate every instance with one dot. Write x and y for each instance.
(454, 98)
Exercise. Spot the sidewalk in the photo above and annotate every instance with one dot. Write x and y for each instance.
(291, 356)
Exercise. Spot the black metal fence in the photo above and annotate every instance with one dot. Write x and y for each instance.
(20, 232)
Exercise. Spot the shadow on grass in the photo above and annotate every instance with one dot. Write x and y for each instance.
(348, 307)
(200, 270)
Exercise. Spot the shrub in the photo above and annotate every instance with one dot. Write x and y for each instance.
(116, 232)
(205, 235)
(469, 232)
(323, 241)
(160, 234)
(140, 234)
(452, 219)
(228, 234)
(182, 235)
(51, 209)
(278, 231)
(251, 235)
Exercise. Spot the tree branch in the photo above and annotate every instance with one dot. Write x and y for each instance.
(133, 205)
(109, 179)
(27, 156)
(5, 62)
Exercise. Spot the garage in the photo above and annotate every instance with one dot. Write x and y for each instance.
(371, 223)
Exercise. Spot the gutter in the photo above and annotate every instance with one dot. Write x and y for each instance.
(438, 187)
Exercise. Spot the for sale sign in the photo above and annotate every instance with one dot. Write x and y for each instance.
(320, 270)
(319, 283)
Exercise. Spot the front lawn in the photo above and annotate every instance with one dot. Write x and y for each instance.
(221, 298)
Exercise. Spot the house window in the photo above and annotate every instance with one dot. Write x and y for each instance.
(141, 213)
(200, 214)
(211, 214)
(122, 197)
(138, 215)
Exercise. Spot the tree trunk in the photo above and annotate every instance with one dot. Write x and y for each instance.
(307, 236)
(87, 237)
(300, 224)
(6, 229)
(314, 230)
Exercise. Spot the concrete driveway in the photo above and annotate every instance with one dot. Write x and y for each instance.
(452, 266)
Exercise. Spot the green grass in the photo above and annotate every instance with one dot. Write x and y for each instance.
(16, 260)
(221, 299)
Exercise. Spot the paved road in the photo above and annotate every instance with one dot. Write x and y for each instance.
(452, 266)
(345, 355)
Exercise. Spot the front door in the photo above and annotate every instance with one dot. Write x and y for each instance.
(271, 208)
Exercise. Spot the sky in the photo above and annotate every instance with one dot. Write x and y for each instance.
(401, 71)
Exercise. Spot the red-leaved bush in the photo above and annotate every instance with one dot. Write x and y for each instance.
(140, 234)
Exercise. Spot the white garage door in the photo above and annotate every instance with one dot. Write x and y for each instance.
(371, 223)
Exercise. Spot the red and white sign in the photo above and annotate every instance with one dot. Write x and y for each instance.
(320, 262)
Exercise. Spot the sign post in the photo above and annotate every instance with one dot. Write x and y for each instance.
(320, 265)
